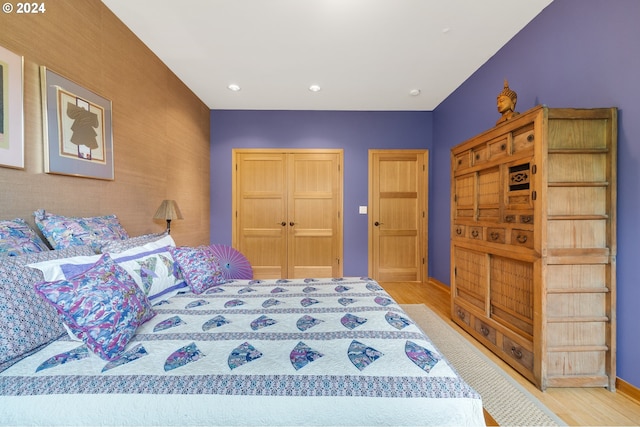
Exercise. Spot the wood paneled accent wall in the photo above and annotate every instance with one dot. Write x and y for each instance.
(160, 128)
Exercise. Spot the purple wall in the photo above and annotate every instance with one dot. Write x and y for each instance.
(576, 53)
(355, 132)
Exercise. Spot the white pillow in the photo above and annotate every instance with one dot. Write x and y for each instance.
(151, 265)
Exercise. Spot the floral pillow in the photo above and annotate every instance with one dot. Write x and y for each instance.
(64, 231)
(200, 267)
(26, 324)
(151, 266)
(16, 237)
(111, 246)
(102, 306)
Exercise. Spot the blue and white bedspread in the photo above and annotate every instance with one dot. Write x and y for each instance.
(262, 352)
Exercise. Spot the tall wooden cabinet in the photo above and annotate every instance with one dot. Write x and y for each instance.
(533, 244)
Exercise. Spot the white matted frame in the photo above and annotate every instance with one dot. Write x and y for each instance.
(77, 129)
(11, 110)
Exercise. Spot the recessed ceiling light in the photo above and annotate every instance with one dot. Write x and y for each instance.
(314, 88)
(414, 92)
(233, 87)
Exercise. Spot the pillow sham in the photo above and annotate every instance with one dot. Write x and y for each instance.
(63, 231)
(151, 265)
(16, 237)
(26, 324)
(199, 266)
(102, 306)
(111, 246)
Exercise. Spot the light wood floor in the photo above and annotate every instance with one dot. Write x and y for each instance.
(576, 407)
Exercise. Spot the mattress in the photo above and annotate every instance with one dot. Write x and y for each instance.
(335, 351)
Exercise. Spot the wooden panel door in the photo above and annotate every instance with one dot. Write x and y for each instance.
(260, 215)
(287, 212)
(314, 233)
(398, 217)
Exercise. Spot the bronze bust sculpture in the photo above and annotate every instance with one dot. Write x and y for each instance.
(507, 100)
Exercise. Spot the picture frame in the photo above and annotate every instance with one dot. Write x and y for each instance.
(78, 138)
(11, 110)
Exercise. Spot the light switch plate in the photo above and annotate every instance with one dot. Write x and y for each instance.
(362, 210)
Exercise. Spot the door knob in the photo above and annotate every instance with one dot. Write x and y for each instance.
(292, 223)
(283, 223)
(377, 223)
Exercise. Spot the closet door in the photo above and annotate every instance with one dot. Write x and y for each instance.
(261, 211)
(287, 212)
(314, 207)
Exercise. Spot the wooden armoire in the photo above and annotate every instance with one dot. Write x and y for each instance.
(533, 244)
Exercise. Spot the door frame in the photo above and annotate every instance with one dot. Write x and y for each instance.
(423, 222)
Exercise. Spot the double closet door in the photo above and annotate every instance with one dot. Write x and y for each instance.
(287, 208)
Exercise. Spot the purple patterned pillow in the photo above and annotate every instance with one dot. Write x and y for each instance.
(200, 267)
(16, 237)
(27, 324)
(102, 306)
(64, 231)
(116, 246)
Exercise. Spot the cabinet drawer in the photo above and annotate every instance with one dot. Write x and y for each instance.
(498, 148)
(479, 154)
(523, 139)
(522, 238)
(462, 160)
(475, 233)
(495, 235)
(485, 330)
(459, 230)
(462, 314)
(518, 353)
(514, 218)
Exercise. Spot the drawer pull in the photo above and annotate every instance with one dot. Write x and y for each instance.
(475, 233)
(477, 156)
(459, 161)
(459, 231)
(484, 330)
(517, 353)
(461, 314)
(510, 218)
(526, 219)
(503, 147)
(530, 137)
(494, 235)
(521, 238)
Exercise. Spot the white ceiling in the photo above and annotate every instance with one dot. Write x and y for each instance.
(365, 54)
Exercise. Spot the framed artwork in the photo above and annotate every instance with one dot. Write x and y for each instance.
(11, 110)
(78, 138)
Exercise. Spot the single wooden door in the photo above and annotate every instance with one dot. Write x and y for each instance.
(398, 183)
(287, 212)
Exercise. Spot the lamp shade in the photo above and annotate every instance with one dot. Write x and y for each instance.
(168, 210)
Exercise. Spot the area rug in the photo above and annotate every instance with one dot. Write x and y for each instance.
(506, 400)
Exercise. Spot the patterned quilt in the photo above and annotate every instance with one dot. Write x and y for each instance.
(268, 352)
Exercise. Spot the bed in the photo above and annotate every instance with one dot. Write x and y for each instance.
(315, 351)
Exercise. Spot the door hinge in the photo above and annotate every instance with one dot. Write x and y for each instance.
(236, 167)
(534, 169)
(338, 261)
(455, 271)
(534, 195)
(422, 260)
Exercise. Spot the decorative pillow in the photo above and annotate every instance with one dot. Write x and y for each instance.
(199, 266)
(152, 267)
(26, 324)
(16, 237)
(111, 246)
(102, 306)
(63, 231)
